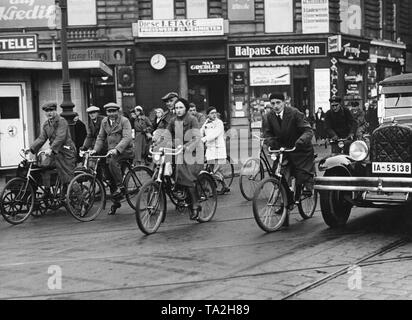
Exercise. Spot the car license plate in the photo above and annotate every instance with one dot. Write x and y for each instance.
(391, 167)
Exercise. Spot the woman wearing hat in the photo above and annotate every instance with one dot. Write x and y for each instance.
(184, 130)
(142, 132)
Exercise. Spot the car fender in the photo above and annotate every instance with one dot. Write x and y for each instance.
(338, 161)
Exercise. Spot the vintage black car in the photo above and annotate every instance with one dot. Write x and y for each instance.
(376, 173)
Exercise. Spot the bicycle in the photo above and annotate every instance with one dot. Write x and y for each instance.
(274, 197)
(253, 171)
(26, 194)
(151, 203)
(223, 174)
(86, 193)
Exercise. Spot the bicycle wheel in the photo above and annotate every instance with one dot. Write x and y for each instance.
(17, 200)
(133, 181)
(86, 197)
(41, 204)
(225, 172)
(251, 174)
(270, 204)
(307, 204)
(207, 195)
(150, 207)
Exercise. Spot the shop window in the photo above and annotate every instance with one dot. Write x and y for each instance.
(9, 108)
(163, 9)
(81, 12)
(278, 16)
(351, 17)
(196, 9)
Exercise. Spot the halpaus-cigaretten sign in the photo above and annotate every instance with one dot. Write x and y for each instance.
(178, 28)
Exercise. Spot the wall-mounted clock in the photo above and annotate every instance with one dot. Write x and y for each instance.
(158, 61)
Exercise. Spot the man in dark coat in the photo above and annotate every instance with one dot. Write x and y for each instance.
(62, 149)
(116, 132)
(81, 133)
(93, 128)
(169, 99)
(339, 124)
(286, 127)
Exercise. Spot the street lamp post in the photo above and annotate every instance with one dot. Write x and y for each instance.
(67, 105)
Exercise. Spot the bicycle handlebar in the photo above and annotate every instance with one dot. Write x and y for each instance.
(84, 154)
(167, 151)
(281, 150)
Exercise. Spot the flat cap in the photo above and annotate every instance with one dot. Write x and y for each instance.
(170, 95)
(92, 109)
(277, 95)
(335, 99)
(111, 106)
(49, 106)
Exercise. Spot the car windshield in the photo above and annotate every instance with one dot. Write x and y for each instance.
(398, 105)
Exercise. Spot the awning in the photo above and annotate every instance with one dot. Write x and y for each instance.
(278, 63)
(96, 67)
(348, 61)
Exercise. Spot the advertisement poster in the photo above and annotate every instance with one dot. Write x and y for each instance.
(270, 76)
(27, 14)
(351, 17)
(196, 9)
(322, 87)
(278, 16)
(81, 12)
(163, 9)
(241, 10)
(315, 16)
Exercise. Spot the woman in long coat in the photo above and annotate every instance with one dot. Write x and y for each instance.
(142, 133)
(320, 132)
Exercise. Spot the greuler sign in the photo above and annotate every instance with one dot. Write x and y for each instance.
(277, 50)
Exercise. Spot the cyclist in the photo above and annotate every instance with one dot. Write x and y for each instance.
(116, 131)
(286, 127)
(170, 100)
(212, 132)
(339, 124)
(62, 150)
(93, 127)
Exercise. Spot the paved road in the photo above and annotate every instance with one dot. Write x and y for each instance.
(228, 258)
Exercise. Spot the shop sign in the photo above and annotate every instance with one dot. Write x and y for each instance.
(270, 76)
(322, 87)
(278, 16)
(239, 82)
(277, 50)
(178, 28)
(333, 77)
(27, 14)
(315, 16)
(206, 67)
(387, 54)
(241, 10)
(109, 56)
(334, 43)
(355, 50)
(18, 43)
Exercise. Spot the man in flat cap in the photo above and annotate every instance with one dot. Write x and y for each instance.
(169, 99)
(116, 132)
(93, 128)
(62, 149)
(339, 124)
(286, 127)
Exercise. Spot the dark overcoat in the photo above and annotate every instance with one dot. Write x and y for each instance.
(93, 129)
(64, 151)
(340, 124)
(186, 132)
(293, 131)
(142, 125)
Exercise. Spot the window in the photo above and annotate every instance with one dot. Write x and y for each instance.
(241, 10)
(278, 16)
(163, 9)
(381, 15)
(394, 21)
(81, 12)
(196, 9)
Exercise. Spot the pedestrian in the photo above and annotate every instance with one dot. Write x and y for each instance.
(80, 134)
(320, 133)
(309, 118)
(158, 116)
(359, 116)
(132, 117)
(372, 116)
(62, 150)
(212, 132)
(143, 136)
(169, 99)
(201, 118)
(116, 133)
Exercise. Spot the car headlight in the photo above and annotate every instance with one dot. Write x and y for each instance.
(358, 150)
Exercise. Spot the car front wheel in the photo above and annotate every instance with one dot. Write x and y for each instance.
(335, 208)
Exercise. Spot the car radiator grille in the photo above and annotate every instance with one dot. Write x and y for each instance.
(392, 144)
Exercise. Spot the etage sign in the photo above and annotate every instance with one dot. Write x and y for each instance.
(27, 13)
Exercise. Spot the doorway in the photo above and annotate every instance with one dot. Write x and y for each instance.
(207, 91)
(12, 127)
